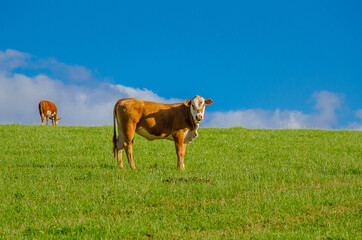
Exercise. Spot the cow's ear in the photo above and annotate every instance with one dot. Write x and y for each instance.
(187, 103)
(208, 101)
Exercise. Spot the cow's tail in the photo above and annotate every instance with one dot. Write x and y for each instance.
(114, 130)
(40, 108)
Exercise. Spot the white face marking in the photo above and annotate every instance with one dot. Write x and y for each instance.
(197, 107)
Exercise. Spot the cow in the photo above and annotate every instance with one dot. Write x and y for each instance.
(177, 122)
(48, 110)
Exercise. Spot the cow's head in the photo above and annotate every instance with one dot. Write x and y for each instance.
(56, 121)
(197, 107)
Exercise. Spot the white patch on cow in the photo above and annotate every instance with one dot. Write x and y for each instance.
(191, 135)
(48, 113)
(143, 132)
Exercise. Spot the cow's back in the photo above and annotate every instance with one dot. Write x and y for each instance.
(47, 108)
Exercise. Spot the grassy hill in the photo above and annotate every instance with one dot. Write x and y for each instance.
(63, 182)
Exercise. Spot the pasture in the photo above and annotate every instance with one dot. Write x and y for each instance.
(64, 183)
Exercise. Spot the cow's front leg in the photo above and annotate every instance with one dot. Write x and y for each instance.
(180, 149)
(47, 120)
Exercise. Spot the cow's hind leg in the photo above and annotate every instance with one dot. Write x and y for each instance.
(120, 146)
(129, 148)
(128, 143)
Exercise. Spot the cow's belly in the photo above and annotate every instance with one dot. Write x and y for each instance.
(49, 114)
(143, 132)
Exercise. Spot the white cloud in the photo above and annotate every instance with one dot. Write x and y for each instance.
(358, 113)
(357, 125)
(77, 104)
(70, 73)
(256, 118)
(11, 59)
(92, 104)
(144, 94)
(327, 103)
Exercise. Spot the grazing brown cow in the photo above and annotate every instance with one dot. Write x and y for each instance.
(177, 122)
(48, 110)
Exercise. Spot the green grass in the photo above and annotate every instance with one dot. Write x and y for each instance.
(63, 183)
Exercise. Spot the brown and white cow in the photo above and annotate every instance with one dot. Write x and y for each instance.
(177, 122)
(48, 110)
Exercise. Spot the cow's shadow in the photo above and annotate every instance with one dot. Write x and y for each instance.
(77, 166)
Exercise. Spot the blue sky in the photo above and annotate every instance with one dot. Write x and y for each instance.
(265, 64)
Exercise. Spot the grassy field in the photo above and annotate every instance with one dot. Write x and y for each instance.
(63, 183)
